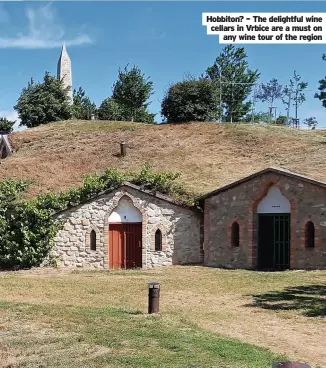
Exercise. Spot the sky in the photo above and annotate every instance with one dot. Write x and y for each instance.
(166, 40)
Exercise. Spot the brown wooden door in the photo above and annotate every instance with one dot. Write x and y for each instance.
(133, 237)
(125, 245)
(116, 248)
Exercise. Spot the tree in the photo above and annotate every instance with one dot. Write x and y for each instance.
(234, 81)
(42, 103)
(270, 92)
(259, 117)
(311, 122)
(294, 92)
(190, 100)
(322, 88)
(83, 108)
(281, 120)
(6, 125)
(110, 110)
(143, 116)
(132, 91)
(113, 111)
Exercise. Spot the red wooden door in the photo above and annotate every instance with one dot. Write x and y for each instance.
(125, 245)
(116, 248)
(133, 238)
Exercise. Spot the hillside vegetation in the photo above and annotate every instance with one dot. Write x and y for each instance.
(208, 155)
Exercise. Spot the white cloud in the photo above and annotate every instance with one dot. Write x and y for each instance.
(13, 116)
(44, 32)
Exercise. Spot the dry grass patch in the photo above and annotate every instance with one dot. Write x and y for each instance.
(98, 318)
(208, 155)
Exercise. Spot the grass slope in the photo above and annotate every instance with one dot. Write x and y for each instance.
(208, 155)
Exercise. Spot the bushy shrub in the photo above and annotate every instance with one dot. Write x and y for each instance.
(28, 228)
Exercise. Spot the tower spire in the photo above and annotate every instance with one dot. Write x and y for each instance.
(64, 70)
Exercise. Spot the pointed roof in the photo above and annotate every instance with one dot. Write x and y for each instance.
(64, 52)
(259, 173)
(151, 193)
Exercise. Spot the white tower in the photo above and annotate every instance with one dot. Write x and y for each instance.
(64, 71)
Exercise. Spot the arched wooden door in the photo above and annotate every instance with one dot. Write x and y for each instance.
(125, 245)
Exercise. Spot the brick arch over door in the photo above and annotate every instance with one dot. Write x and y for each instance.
(253, 222)
(111, 208)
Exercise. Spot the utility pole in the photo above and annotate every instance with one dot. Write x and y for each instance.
(288, 109)
(253, 105)
(296, 109)
(220, 114)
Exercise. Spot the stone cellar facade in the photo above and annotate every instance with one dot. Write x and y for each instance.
(271, 220)
(128, 228)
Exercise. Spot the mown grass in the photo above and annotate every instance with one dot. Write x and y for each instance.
(113, 337)
(208, 318)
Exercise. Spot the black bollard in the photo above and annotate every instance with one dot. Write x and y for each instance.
(153, 297)
(123, 149)
(290, 365)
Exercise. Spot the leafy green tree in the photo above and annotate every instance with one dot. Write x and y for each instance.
(322, 88)
(83, 108)
(311, 122)
(132, 91)
(190, 100)
(270, 92)
(111, 110)
(6, 125)
(294, 92)
(234, 82)
(257, 117)
(281, 120)
(42, 103)
(143, 116)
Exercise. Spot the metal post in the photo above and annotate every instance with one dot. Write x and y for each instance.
(153, 297)
(290, 365)
(288, 110)
(123, 149)
(220, 114)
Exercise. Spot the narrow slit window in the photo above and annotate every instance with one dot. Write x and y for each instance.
(93, 240)
(158, 240)
(235, 235)
(310, 235)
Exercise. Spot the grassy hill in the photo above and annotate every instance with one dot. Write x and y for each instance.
(208, 155)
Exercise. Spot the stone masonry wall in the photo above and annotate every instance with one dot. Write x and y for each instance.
(180, 229)
(308, 203)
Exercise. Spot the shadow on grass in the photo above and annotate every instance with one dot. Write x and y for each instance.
(310, 300)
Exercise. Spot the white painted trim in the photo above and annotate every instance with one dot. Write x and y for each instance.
(125, 212)
(274, 202)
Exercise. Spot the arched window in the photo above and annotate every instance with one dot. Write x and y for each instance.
(92, 242)
(235, 235)
(310, 235)
(158, 240)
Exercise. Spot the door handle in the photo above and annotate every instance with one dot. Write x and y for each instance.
(139, 244)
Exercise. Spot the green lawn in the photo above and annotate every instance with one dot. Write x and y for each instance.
(207, 317)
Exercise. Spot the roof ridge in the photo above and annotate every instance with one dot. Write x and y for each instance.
(260, 172)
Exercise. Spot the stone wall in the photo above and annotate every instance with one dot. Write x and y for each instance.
(180, 229)
(308, 202)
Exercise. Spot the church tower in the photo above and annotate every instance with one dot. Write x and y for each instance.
(64, 70)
